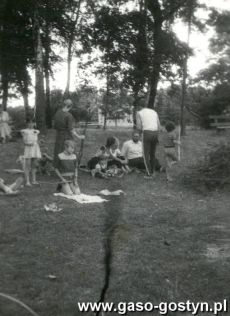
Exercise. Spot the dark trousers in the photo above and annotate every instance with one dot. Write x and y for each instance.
(149, 141)
(137, 163)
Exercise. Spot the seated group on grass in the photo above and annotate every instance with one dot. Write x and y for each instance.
(110, 161)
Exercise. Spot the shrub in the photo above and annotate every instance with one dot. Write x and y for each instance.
(213, 172)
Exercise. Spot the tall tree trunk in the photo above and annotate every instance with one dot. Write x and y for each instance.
(47, 76)
(76, 12)
(40, 105)
(155, 73)
(69, 60)
(185, 74)
(48, 104)
(26, 105)
(5, 89)
(183, 97)
(135, 105)
(106, 105)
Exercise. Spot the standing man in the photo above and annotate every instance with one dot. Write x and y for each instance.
(149, 124)
(65, 129)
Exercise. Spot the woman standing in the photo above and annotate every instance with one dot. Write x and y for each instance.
(5, 130)
(64, 125)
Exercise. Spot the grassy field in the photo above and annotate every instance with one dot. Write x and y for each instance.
(168, 242)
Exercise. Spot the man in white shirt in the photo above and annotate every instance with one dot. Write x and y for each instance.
(132, 152)
(148, 123)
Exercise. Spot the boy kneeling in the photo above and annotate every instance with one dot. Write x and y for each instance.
(66, 170)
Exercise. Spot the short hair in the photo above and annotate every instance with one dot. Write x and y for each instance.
(169, 126)
(136, 131)
(68, 143)
(67, 102)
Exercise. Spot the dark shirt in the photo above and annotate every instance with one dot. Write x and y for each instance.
(168, 139)
(66, 163)
(63, 121)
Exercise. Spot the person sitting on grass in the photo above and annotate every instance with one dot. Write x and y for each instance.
(67, 170)
(98, 164)
(115, 157)
(169, 142)
(32, 152)
(132, 151)
(11, 189)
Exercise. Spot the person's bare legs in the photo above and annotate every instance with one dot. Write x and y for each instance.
(168, 168)
(34, 170)
(66, 189)
(3, 187)
(27, 171)
(16, 184)
(75, 188)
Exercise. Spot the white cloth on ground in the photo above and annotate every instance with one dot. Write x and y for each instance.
(82, 198)
(107, 192)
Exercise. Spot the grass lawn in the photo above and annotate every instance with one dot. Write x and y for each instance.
(168, 242)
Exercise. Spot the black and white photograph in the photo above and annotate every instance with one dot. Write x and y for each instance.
(114, 157)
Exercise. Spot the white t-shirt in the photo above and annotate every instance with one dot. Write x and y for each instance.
(131, 150)
(148, 119)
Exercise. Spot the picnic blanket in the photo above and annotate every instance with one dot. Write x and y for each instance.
(82, 198)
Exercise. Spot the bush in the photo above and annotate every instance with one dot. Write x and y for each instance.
(213, 172)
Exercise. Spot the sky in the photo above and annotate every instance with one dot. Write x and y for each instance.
(198, 42)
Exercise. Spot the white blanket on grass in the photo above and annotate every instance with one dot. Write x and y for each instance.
(82, 198)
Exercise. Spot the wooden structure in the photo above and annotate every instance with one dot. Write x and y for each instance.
(220, 122)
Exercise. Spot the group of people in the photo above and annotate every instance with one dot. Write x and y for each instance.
(109, 160)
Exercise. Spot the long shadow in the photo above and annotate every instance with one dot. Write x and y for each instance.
(112, 215)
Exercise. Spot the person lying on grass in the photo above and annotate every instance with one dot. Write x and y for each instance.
(11, 189)
(67, 170)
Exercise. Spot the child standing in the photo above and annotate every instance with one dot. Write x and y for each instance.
(32, 152)
(170, 141)
(67, 170)
(5, 130)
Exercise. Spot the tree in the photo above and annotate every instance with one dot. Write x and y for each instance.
(71, 32)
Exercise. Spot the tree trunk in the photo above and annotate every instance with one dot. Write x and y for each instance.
(47, 76)
(155, 73)
(105, 120)
(26, 105)
(70, 44)
(69, 60)
(5, 89)
(135, 104)
(185, 75)
(48, 105)
(183, 97)
(40, 106)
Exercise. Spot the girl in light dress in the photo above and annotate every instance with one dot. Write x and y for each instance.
(5, 130)
(32, 152)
